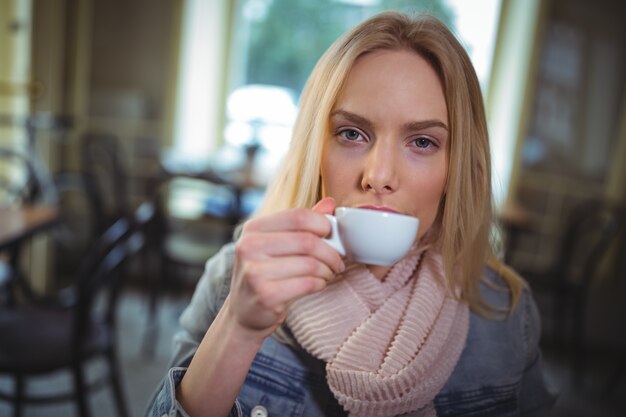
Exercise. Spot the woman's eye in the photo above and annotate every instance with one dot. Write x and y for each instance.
(350, 134)
(423, 142)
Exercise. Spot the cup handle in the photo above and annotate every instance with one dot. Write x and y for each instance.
(333, 239)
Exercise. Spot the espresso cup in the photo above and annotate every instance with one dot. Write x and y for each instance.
(371, 237)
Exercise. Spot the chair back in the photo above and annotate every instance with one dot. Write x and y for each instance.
(102, 165)
(197, 215)
(75, 234)
(589, 230)
(102, 271)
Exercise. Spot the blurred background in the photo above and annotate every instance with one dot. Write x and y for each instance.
(182, 109)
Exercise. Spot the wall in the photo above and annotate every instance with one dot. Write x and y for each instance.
(130, 58)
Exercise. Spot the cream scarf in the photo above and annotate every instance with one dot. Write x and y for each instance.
(389, 346)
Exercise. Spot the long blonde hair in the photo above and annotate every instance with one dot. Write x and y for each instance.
(464, 222)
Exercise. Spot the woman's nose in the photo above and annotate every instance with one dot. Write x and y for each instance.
(380, 171)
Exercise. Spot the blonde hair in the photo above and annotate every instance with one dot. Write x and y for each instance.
(465, 219)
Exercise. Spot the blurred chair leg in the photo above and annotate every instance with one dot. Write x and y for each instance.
(79, 390)
(12, 280)
(151, 334)
(19, 395)
(152, 328)
(578, 338)
(6, 283)
(157, 287)
(116, 383)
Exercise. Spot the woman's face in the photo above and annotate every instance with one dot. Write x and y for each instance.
(388, 140)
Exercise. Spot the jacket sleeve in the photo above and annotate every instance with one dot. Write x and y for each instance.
(207, 299)
(536, 397)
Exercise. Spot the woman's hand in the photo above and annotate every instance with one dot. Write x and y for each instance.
(278, 259)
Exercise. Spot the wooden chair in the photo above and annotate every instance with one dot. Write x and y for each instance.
(71, 237)
(103, 167)
(65, 333)
(19, 184)
(196, 217)
(76, 231)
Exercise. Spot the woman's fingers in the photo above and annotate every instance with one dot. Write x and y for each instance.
(278, 259)
(297, 219)
(280, 269)
(276, 282)
(264, 288)
(262, 246)
(326, 205)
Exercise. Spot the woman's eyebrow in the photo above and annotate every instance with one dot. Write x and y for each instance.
(352, 117)
(362, 121)
(425, 124)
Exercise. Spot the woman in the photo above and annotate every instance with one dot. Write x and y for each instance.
(391, 119)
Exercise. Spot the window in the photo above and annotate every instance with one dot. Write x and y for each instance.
(15, 87)
(275, 44)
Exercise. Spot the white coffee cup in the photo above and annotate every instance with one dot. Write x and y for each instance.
(371, 237)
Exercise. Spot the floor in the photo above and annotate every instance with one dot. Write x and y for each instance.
(143, 374)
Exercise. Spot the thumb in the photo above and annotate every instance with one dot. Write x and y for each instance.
(326, 205)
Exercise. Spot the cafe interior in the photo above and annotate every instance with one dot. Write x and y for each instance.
(135, 135)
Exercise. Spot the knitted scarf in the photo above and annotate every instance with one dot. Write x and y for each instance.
(389, 346)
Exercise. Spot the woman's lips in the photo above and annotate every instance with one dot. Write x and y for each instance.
(379, 208)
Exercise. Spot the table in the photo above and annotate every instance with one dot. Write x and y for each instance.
(20, 223)
(243, 180)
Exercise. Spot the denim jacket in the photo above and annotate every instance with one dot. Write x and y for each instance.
(499, 372)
